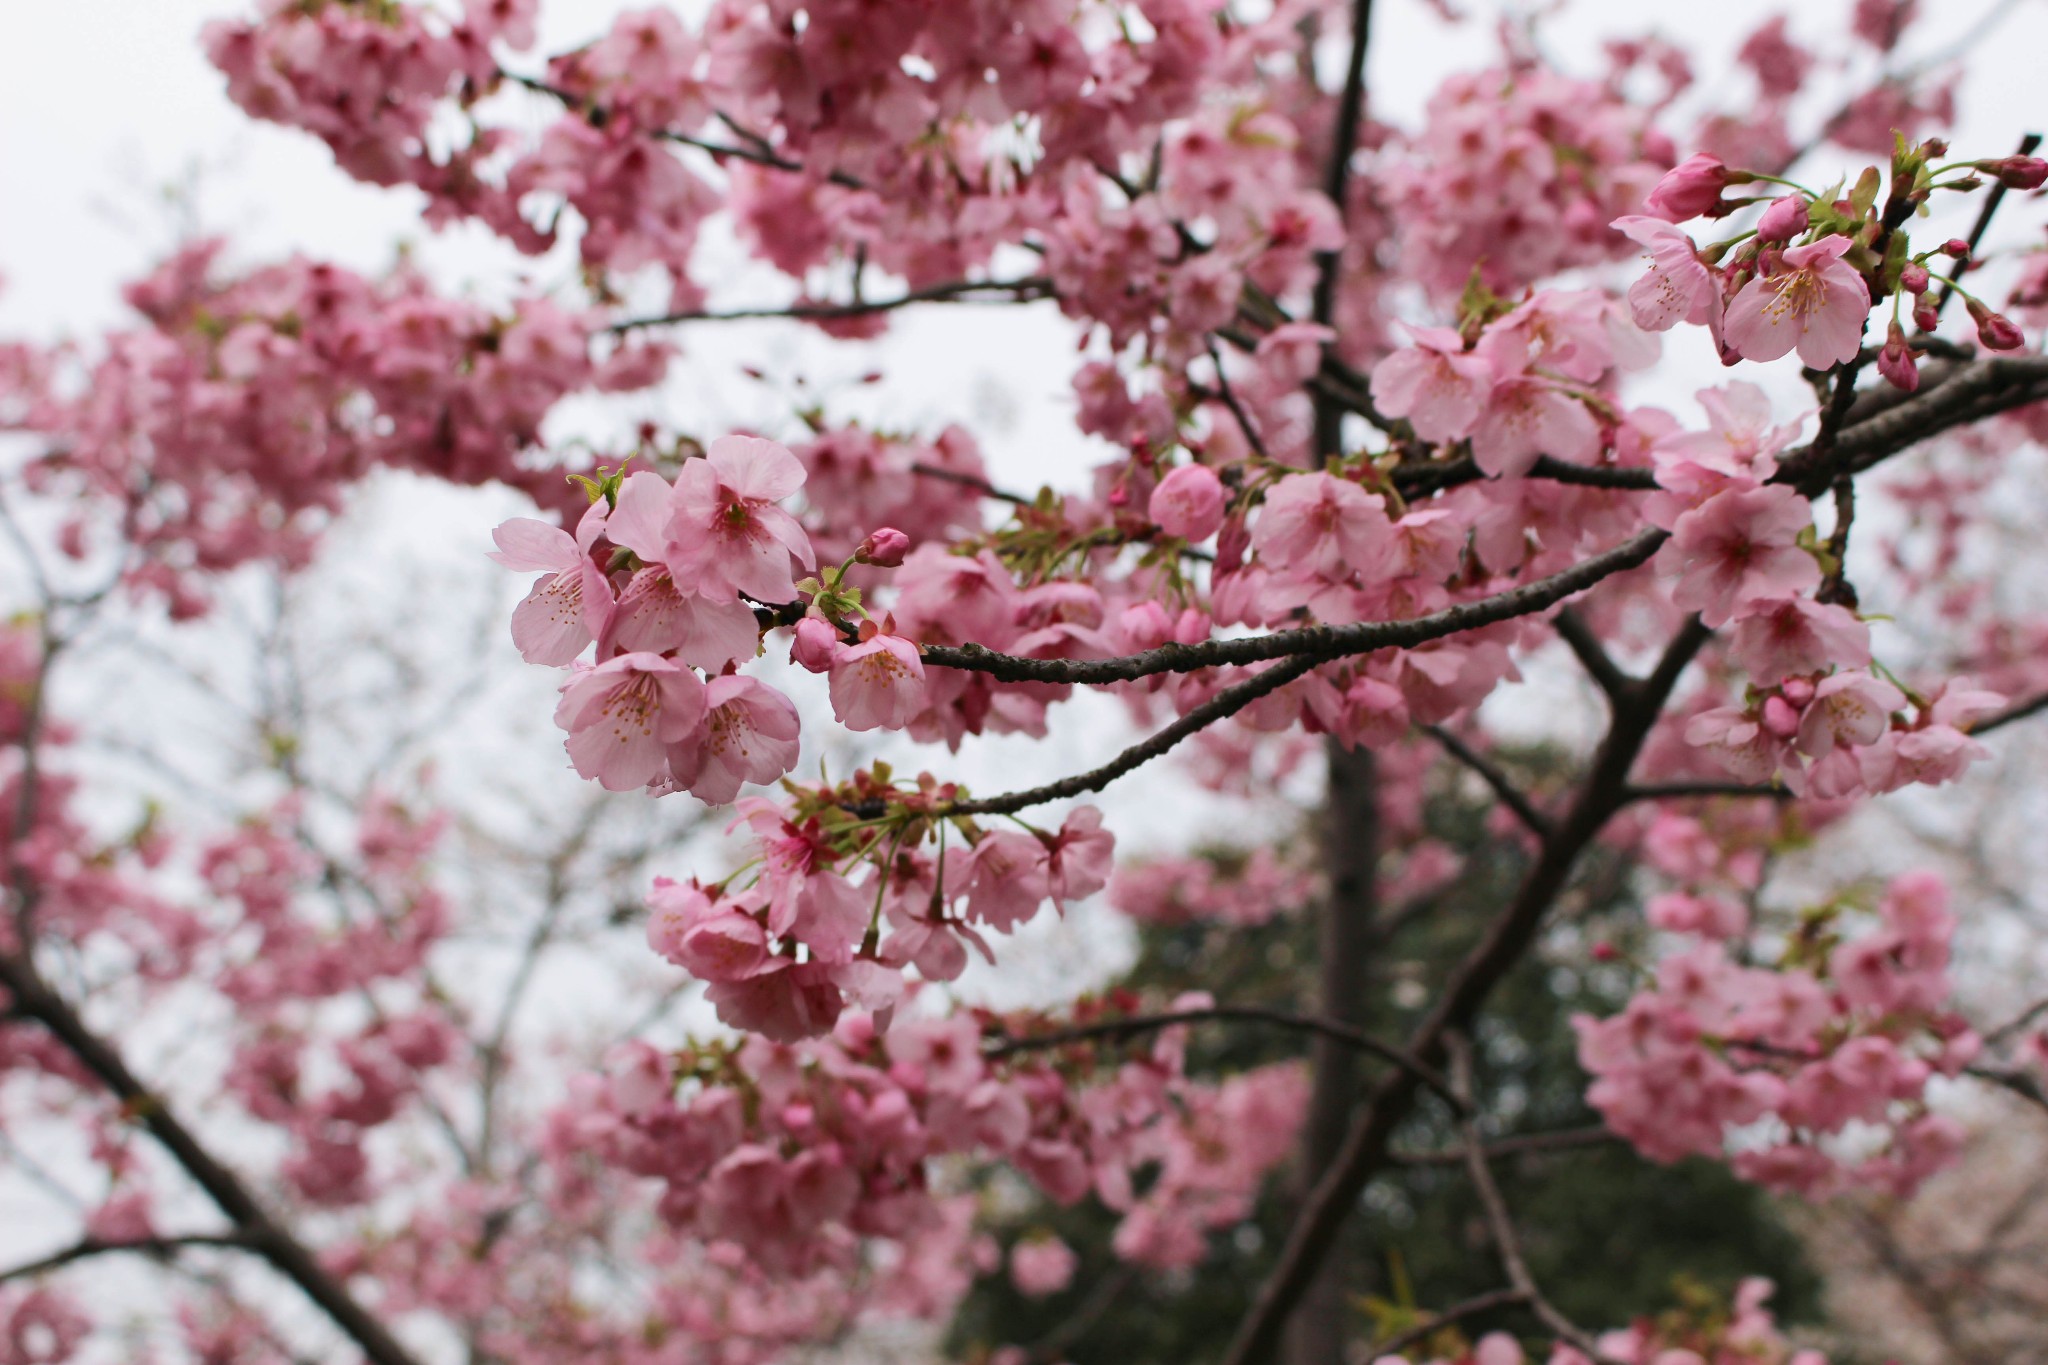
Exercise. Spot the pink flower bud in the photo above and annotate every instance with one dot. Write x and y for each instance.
(1689, 189)
(1895, 362)
(2018, 172)
(1956, 247)
(1914, 280)
(1783, 220)
(1188, 502)
(1925, 316)
(1995, 330)
(1798, 691)
(816, 644)
(883, 548)
(1780, 717)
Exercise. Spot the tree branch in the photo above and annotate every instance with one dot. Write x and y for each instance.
(1224, 704)
(1681, 791)
(1436, 1322)
(142, 1246)
(265, 1235)
(1506, 1240)
(1505, 941)
(1526, 1144)
(2032, 706)
(1489, 772)
(1591, 654)
(1316, 642)
(1333, 1029)
(1026, 290)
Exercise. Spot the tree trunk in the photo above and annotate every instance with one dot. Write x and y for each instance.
(1350, 853)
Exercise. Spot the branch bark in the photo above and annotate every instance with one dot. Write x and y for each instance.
(1505, 942)
(264, 1235)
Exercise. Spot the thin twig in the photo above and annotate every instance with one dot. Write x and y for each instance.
(1489, 772)
(1507, 1240)
(1526, 1144)
(1436, 1322)
(1591, 653)
(1334, 1029)
(140, 1246)
(1682, 791)
(2032, 706)
(1026, 290)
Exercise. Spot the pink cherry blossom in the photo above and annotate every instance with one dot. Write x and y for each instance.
(1042, 1265)
(1816, 303)
(725, 534)
(1317, 525)
(1679, 286)
(1740, 548)
(1796, 635)
(748, 733)
(1435, 384)
(567, 609)
(622, 714)
(877, 683)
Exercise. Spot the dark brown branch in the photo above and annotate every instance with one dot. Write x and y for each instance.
(1489, 772)
(159, 1247)
(758, 151)
(1318, 642)
(974, 481)
(1506, 1240)
(1333, 1029)
(1027, 290)
(266, 1237)
(2032, 706)
(1228, 396)
(1506, 940)
(1223, 705)
(1343, 147)
(2019, 1082)
(1436, 1322)
(2016, 1024)
(1591, 654)
(1526, 1144)
(1682, 791)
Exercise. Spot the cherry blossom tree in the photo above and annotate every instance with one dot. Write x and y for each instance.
(1372, 448)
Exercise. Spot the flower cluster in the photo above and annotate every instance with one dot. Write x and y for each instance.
(1516, 174)
(841, 902)
(1814, 1068)
(225, 428)
(797, 1154)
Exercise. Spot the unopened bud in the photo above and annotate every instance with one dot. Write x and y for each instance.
(2017, 172)
(1995, 330)
(1957, 248)
(1689, 189)
(816, 641)
(883, 548)
(1925, 315)
(1798, 691)
(1895, 362)
(1783, 220)
(1913, 279)
(1780, 717)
